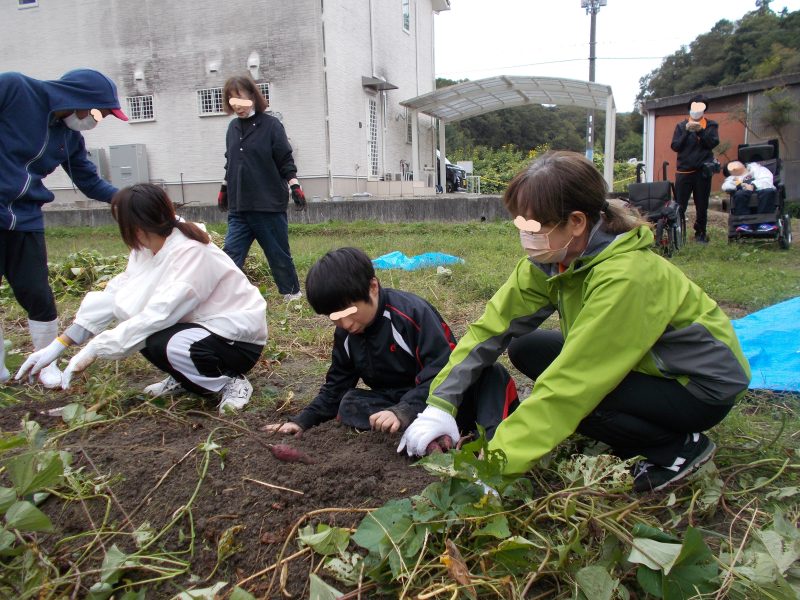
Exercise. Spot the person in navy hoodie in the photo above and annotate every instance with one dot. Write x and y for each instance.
(40, 128)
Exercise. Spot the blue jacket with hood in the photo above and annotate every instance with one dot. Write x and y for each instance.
(33, 142)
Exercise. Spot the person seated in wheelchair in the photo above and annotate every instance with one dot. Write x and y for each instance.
(742, 181)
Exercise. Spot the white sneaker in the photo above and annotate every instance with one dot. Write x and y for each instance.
(293, 297)
(50, 376)
(165, 386)
(235, 395)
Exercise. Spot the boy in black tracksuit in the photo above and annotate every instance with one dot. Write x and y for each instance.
(396, 343)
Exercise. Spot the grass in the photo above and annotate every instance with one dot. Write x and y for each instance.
(756, 476)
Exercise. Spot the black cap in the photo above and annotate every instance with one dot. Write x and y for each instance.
(698, 98)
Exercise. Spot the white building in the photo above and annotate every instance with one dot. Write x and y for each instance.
(335, 72)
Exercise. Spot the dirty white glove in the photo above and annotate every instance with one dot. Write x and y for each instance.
(429, 425)
(78, 363)
(40, 359)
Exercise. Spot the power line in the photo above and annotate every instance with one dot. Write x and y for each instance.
(553, 62)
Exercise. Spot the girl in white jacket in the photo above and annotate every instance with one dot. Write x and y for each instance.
(181, 302)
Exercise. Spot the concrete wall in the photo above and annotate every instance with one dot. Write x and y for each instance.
(443, 208)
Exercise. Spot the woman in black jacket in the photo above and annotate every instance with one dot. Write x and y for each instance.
(259, 175)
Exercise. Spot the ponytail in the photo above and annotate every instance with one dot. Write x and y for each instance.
(620, 217)
(192, 231)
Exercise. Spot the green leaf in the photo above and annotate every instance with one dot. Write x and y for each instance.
(319, 590)
(650, 580)
(326, 540)
(388, 523)
(114, 562)
(7, 497)
(24, 516)
(240, 594)
(208, 593)
(640, 530)
(659, 556)
(516, 554)
(6, 539)
(100, 591)
(131, 595)
(345, 568)
(596, 583)
(8, 442)
(496, 526)
(32, 472)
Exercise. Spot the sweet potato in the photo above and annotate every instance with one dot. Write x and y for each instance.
(445, 443)
(433, 448)
(286, 453)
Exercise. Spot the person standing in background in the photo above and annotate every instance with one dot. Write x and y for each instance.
(693, 140)
(260, 174)
(40, 128)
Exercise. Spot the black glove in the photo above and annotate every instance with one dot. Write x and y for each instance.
(299, 197)
(222, 198)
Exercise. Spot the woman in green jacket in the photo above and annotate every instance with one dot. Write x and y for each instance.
(644, 360)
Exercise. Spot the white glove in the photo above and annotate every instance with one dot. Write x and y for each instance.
(78, 363)
(40, 359)
(429, 425)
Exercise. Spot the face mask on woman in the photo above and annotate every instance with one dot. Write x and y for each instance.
(76, 124)
(537, 245)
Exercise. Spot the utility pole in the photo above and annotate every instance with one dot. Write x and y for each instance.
(592, 8)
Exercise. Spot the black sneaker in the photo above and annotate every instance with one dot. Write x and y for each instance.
(697, 450)
(700, 238)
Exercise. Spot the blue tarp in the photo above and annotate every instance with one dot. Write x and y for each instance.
(398, 260)
(770, 339)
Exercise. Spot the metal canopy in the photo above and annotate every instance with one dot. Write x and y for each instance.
(472, 98)
(377, 84)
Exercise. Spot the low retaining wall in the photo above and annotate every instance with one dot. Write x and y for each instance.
(441, 208)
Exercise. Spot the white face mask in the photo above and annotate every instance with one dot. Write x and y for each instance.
(696, 114)
(540, 254)
(85, 124)
(248, 115)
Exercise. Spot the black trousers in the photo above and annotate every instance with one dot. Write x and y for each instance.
(23, 261)
(741, 202)
(202, 361)
(698, 186)
(490, 400)
(644, 415)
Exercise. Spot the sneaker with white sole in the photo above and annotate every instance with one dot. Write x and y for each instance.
(293, 297)
(235, 395)
(163, 387)
(50, 376)
(697, 450)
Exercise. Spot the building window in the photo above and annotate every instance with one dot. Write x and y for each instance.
(264, 89)
(27, 3)
(209, 101)
(140, 108)
(409, 139)
(372, 136)
(406, 4)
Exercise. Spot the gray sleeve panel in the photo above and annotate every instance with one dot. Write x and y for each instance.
(77, 334)
(466, 373)
(715, 375)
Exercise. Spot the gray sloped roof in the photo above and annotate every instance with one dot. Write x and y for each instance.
(472, 98)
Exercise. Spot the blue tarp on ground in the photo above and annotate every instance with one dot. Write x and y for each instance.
(770, 339)
(398, 260)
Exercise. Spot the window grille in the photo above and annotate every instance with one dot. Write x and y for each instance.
(409, 138)
(406, 4)
(209, 101)
(372, 133)
(140, 108)
(264, 89)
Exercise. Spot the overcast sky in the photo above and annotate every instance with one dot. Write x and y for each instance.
(550, 38)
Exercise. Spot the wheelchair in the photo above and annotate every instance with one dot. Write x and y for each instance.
(767, 155)
(656, 202)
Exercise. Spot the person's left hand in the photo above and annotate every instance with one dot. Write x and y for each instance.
(693, 126)
(384, 420)
(79, 362)
(748, 186)
(298, 196)
(430, 424)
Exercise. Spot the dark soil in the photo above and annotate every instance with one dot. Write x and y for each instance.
(153, 458)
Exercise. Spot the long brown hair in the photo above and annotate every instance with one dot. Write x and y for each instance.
(238, 84)
(146, 207)
(559, 183)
